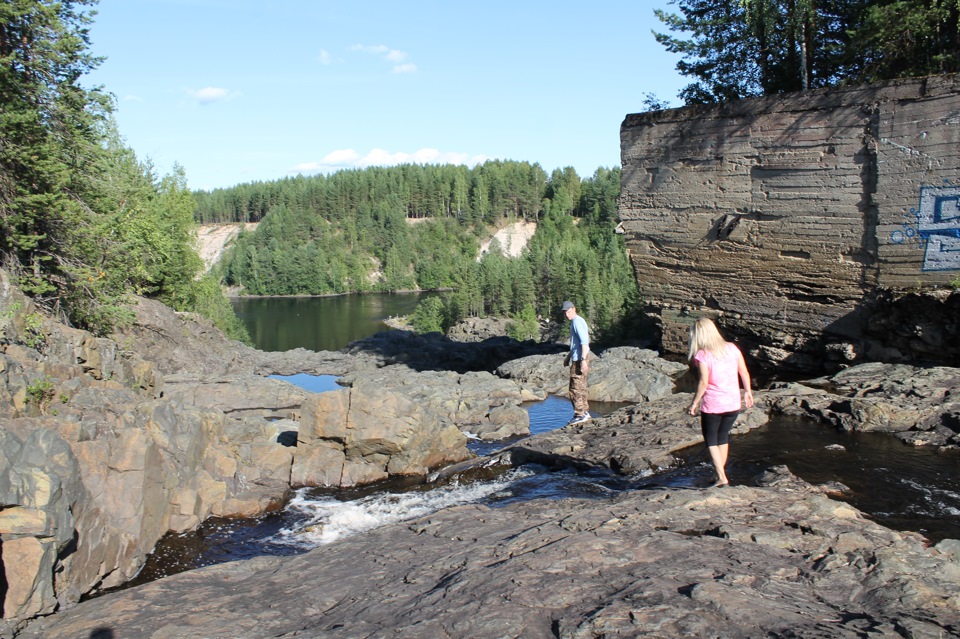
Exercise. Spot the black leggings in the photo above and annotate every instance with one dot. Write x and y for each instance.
(716, 427)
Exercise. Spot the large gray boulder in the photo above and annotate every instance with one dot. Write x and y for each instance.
(106, 445)
(479, 403)
(621, 374)
(369, 433)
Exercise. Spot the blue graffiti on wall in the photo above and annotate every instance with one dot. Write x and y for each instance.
(934, 227)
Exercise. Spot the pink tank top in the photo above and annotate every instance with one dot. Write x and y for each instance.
(723, 386)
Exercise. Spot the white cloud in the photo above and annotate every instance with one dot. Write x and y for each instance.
(132, 98)
(394, 56)
(350, 159)
(374, 49)
(324, 57)
(343, 156)
(209, 95)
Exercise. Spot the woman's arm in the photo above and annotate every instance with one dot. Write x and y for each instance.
(701, 386)
(745, 378)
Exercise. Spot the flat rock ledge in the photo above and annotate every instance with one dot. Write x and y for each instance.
(781, 560)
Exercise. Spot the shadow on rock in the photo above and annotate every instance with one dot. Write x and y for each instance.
(434, 351)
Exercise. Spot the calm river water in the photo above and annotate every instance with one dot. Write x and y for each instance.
(900, 486)
(319, 323)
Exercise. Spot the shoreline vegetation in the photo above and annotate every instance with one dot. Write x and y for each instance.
(503, 239)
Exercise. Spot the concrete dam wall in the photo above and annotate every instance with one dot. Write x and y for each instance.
(820, 228)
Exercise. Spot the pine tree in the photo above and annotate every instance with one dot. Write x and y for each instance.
(744, 48)
(51, 129)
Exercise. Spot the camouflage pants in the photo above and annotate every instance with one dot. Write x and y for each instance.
(578, 389)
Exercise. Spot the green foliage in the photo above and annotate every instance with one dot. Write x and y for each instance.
(35, 336)
(49, 125)
(719, 55)
(524, 325)
(429, 315)
(739, 49)
(83, 224)
(903, 38)
(415, 227)
(412, 227)
(40, 393)
(567, 258)
(204, 296)
(484, 194)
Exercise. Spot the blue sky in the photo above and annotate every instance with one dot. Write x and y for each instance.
(244, 90)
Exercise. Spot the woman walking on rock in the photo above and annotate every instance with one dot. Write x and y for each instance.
(720, 364)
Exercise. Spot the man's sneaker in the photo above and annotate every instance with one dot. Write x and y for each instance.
(579, 419)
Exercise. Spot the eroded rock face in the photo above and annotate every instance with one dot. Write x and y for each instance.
(369, 433)
(89, 491)
(120, 451)
(478, 403)
(791, 218)
(102, 451)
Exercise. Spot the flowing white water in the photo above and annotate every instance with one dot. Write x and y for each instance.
(326, 519)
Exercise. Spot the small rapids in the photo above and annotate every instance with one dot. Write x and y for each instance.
(318, 519)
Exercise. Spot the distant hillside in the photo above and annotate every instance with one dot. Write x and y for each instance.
(512, 238)
(213, 239)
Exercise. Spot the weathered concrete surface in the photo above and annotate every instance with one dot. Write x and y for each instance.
(790, 216)
(741, 562)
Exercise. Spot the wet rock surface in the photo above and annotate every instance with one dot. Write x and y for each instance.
(636, 439)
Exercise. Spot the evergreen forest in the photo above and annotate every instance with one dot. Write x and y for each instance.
(415, 227)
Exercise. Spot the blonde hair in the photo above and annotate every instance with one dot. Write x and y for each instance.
(704, 336)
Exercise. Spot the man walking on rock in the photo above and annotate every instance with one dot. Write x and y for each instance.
(578, 361)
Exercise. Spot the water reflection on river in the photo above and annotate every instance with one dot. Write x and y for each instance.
(319, 323)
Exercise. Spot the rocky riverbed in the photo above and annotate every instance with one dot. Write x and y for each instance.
(108, 444)
(776, 560)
